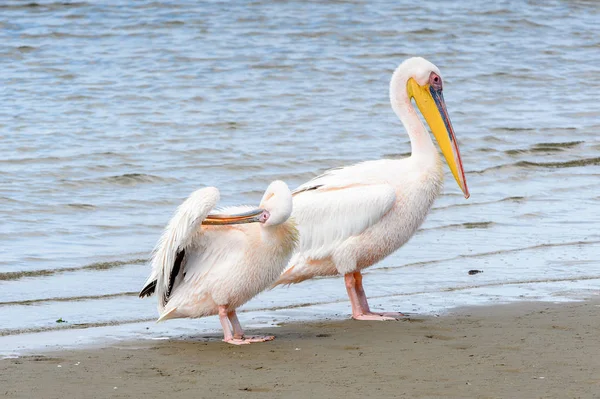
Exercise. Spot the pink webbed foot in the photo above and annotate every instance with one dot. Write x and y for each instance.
(359, 302)
(379, 316)
(260, 338)
(236, 341)
(249, 340)
(396, 315)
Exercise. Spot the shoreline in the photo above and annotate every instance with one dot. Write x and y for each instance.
(525, 349)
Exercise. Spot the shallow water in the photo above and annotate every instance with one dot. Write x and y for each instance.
(113, 112)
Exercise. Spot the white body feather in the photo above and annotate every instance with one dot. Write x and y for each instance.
(222, 265)
(348, 229)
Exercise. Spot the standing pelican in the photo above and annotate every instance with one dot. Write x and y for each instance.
(351, 218)
(211, 264)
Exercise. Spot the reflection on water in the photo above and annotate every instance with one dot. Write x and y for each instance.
(113, 113)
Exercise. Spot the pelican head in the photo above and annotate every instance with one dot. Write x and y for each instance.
(274, 209)
(276, 204)
(423, 82)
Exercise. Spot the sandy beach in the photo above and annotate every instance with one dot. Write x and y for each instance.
(524, 350)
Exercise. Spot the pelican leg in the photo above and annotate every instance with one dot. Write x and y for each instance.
(360, 291)
(358, 300)
(227, 335)
(238, 333)
(238, 337)
(350, 282)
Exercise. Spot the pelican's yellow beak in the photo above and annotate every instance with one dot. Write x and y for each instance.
(253, 216)
(431, 104)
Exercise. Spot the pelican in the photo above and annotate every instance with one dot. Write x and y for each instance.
(206, 264)
(352, 217)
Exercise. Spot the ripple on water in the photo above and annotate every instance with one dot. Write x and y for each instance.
(127, 179)
(566, 164)
(548, 165)
(6, 276)
(545, 148)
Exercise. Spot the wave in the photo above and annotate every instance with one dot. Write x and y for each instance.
(545, 147)
(510, 129)
(550, 165)
(51, 159)
(26, 49)
(28, 302)
(466, 225)
(490, 253)
(81, 206)
(533, 150)
(567, 144)
(565, 164)
(127, 179)
(67, 326)
(66, 35)
(424, 31)
(511, 199)
(47, 6)
(7, 276)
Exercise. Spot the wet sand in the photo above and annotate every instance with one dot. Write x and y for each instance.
(525, 350)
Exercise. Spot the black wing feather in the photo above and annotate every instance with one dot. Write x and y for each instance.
(149, 289)
(174, 273)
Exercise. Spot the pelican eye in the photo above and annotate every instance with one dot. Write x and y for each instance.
(435, 81)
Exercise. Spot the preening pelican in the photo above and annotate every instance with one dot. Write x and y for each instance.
(351, 218)
(206, 264)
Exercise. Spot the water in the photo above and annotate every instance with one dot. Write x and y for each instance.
(113, 112)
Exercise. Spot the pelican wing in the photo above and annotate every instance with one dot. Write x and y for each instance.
(336, 206)
(362, 173)
(170, 252)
